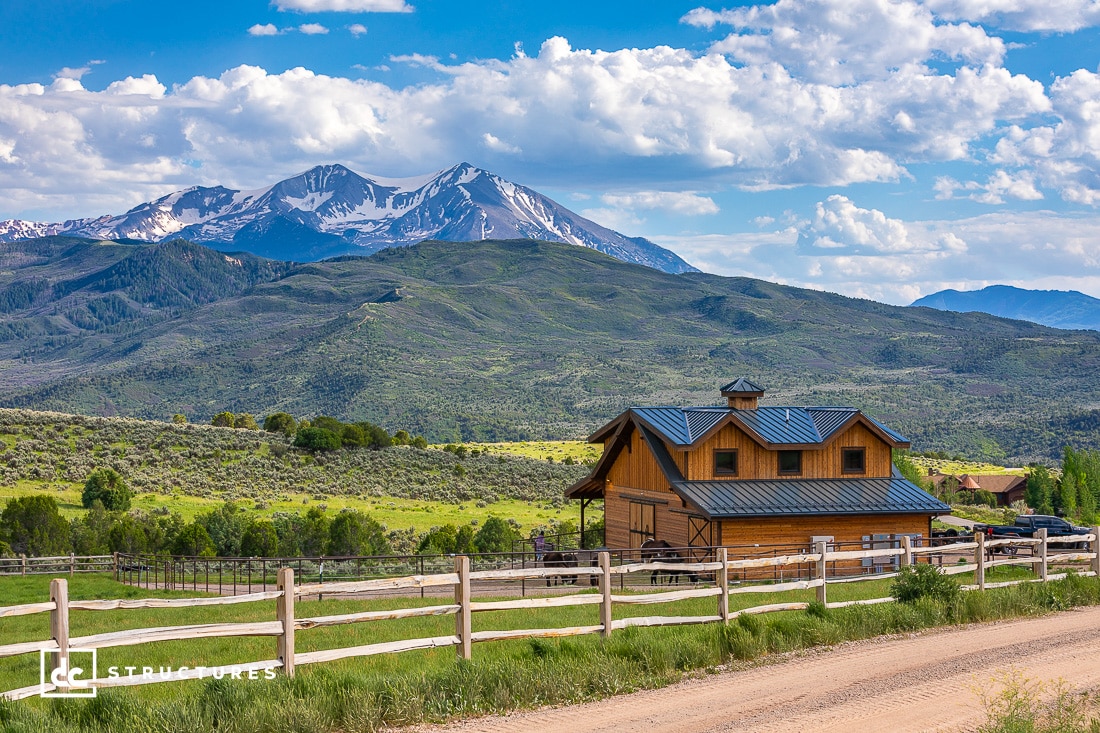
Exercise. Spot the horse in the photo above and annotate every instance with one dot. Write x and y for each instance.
(589, 559)
(556, 559)
(655, 550)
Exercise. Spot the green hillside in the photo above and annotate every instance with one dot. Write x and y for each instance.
(533, 340)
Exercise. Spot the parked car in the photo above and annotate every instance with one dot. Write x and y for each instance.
(1026, 525)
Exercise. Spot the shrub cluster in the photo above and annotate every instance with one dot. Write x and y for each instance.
(56, 450)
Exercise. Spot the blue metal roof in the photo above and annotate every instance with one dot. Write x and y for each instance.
(790, 497)
(809, 426)
(782, 425)
(742, 385)
(830, 419)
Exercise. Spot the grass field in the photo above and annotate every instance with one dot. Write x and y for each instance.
(558, 450)
(394, 512)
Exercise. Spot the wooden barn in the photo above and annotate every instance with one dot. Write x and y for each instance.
(745, 474)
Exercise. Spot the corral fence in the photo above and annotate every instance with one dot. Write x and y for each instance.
(71, 564)
(1079, 553)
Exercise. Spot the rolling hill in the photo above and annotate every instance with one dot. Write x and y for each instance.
(497, 340)
(1057, 308)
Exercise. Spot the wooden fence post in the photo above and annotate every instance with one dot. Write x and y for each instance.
(605, 592)
(906, 551)
(821, 548)
(1096, 551)
(284, 612)
(463, 625)
(723, 579)
(72, 564)
(23, 560)
(59, 623)
(1042, 535)
(979, 560)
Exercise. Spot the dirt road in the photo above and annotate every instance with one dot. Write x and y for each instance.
(923, 682)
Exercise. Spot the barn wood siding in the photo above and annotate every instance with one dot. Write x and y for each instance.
(668, 524)
(757, 462)
(799, 530)
(636, 467)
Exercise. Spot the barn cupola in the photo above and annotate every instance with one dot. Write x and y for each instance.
(742, 394)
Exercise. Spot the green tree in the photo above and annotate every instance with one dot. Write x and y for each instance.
(245, 421)
(179, 419)
(1040, 490)
(495, 535)
(225, 527)
(193, 540)
(1067, 494)
(910, 470)
(32, 525)
(105, 485)
(316, 439)
(280, 422)
(90, 532)
(314, 533)
(260, 539)
(402, 437)
(354, 533)
(223, 420)
(127, 535)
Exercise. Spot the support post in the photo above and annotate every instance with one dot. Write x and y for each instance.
(723, 578)
(284, 612)
(906, 551)
(23, 562)
(463, 625)
(59, 623)
(583, 504)
(605, 593)
(821, 548)
(72, 564)
(1043, 545)
(979, 560)
(1095, 560)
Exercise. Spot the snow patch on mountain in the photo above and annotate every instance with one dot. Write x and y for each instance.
(350, 213)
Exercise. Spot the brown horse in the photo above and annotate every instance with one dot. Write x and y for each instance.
(556, 559)
(655, 550)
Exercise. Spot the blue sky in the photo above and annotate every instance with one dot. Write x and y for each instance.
(878, 148)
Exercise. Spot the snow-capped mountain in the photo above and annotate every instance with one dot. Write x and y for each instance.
(330, 210)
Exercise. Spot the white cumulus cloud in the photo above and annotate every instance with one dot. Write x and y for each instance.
(843, 41)
(1021, 15)
(266, 29)
(680, 202)
(344, 6)
(313, 29)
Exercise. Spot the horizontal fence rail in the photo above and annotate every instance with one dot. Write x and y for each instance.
(709, 573)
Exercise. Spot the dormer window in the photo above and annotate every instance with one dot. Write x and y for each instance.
(853, 460)
(725, 463)
(790, 462)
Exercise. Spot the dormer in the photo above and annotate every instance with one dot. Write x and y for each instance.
(742, 394)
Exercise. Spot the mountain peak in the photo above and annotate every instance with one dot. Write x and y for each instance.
(1058, 308)
(331, 210)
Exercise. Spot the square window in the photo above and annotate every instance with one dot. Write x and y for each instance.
(853, 460)
(725, 462)
(790, 461)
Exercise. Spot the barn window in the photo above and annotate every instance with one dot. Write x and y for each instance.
(790, 461)
(725, 462)
(853, 460)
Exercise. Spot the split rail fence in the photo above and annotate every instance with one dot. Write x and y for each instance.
(1043, 555)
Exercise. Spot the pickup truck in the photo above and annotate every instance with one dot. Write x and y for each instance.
(1027, 525)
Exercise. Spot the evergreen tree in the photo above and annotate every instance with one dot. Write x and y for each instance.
(105, 485)
(33, 525)
(355, 533)
(1040, 490)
